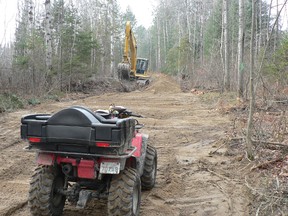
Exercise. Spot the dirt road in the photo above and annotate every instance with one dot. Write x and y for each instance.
(184, 131)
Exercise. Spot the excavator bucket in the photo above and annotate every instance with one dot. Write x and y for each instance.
(123, 71)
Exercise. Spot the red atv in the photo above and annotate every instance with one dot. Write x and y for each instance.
(83, 155)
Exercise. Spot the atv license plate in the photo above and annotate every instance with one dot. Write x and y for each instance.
(110, 168)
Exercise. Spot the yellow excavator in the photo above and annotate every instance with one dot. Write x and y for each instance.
(132, 68)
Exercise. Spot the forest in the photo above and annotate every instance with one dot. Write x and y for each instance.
(61, 43)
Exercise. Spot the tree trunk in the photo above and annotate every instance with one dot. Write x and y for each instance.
(226, 47)
(31, 51)
(179, 44)
(71, 57)
(187, 5)
(260, 27)
(222, 51)
(201, 35)
(48, 40)
(167, 36)
(277, 28)
(164, 42)
(158, 45)
(268, 22)
(240, 64)
(249, 144)
(194, 43)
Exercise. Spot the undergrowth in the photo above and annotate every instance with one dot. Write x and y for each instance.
(266, 177)
(9, 102)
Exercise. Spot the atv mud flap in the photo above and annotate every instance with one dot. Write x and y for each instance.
(84, 197)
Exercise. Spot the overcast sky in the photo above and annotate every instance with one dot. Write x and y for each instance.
(143, 10)
(8, 8)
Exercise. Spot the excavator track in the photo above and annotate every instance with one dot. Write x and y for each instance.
(143, 82)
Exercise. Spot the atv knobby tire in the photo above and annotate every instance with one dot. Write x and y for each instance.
(125, 194)
(43, 196)
(148, 177)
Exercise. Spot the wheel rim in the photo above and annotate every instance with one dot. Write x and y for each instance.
(135, 200)
(56, 196)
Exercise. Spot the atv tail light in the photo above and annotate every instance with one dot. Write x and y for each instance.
(34, 139)
(102, 144)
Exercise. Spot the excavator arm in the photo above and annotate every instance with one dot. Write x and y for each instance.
(130, 45)
(127, 68)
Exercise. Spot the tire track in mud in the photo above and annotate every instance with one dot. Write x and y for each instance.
(185, 187)
(182, 129)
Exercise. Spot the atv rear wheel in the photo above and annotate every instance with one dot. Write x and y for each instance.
(44, 198)
(125, 194)
(148, 177)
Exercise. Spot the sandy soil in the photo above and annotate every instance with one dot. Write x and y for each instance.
(182, 128)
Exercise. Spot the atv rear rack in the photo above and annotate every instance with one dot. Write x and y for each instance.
(127, 154)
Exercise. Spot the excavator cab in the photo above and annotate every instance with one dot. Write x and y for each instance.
(141, 66)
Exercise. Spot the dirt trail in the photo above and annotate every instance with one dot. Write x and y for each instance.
(184, 131)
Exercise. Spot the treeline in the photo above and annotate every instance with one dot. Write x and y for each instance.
(209, 41)
(61, 43)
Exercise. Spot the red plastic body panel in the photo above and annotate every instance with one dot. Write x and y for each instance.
(86, 169)
(66, 160)
(137, 142)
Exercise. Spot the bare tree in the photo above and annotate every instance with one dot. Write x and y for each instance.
(249, 143)
(251, 84)
(226, 46)
(30, 52)
(48, 38)
(158, 45)
(194, 40)
(260, 27)
(277, 28)
(240, 65)
(268, 22)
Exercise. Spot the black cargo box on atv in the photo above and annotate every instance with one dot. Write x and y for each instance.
(77, 129)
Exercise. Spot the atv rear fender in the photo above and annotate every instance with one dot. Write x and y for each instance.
(140, 142)
(88, 169)
(75, 167)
